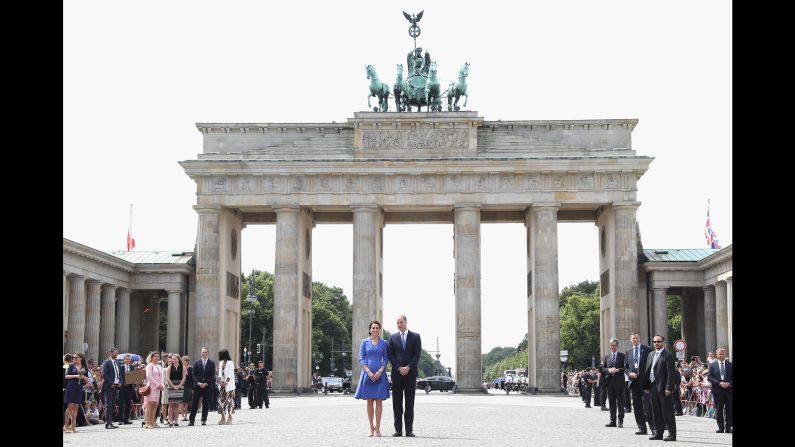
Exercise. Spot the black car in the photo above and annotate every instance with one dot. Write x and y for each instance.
(332, 384)
(441, 383)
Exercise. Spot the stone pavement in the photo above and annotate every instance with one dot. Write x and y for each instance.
(441, 419)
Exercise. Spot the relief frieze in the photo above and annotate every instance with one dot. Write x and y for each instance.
(415, 138)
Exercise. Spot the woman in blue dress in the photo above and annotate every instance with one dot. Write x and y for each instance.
(373, 384)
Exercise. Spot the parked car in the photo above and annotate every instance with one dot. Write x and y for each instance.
(332, 384)
(441, 383)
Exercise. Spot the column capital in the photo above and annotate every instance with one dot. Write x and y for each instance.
(626, 205)
(545, 205)
(364, 207)
(201, 209)
(660, 288)
(286, 208)
(75, 276)
(174, 290)
(106, 286)
(467, 206)
(708, 288)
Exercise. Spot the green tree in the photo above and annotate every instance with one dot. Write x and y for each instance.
(583, 288)
(260, 313)
(674, 303)
(331, 323)
(522, 346)
(497, 354)
(517, 360)
(579, 328)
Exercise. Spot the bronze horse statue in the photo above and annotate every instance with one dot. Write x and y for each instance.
(399, 90)
(432, 96)
(379, 89)
(458, 89)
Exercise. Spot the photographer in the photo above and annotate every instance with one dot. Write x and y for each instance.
(251, 385)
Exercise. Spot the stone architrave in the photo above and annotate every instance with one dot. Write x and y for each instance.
(92, 318)
(77, 314)
(721, 316)
(367, 224)
(107, 319)
(547, 298)
(466, 229)
(206, 330)
(709, 319)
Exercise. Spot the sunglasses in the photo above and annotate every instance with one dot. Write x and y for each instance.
(657, 341)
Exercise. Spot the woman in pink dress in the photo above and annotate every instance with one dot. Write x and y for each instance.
(154, 379)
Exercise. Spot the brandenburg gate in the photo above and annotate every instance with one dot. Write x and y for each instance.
(382, 168)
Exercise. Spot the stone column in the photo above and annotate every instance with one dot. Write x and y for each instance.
(547, 299)
(107, 319)
(92, 318)
(729, 315)
(467, 297)
(65, 309)
(75, 334)
(721, 316)
(625, 290)
(123, 320)
(286, 299)
(207, 283)
(367, 222)
(172, 331)
(531, 325)
(709, 319)
(661, 313)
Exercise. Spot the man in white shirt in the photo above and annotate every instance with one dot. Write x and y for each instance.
(720, 376)
(660, 381)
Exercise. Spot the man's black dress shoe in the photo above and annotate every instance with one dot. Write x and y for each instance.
(190, 424)
(204, 422)
(588, 406)
(656, 438)
(729, 430)
(410, 434)
(620, 424)
(397, 433)
(642, 432)
(720, 430)
(669, 438)
(605, 409)
(612, 424)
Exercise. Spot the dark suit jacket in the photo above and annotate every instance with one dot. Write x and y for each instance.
(617, 378)
(714, 376)
(404, 357)
(202, 374)
(664, 377)
(109, 374)
(629, 365)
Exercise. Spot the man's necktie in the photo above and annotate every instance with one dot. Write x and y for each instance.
(722, 371)
(403, 339)
(654, 362)
(635, 357)
(613, 361)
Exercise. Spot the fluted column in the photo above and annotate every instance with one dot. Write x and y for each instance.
(92, 318)
(547, 299)
(729, 315)
(77, 314)
(123, 320)
(367, 222)
(661, 312)
(207, 282)
(65, 308)
(107, 321)
(721, 316)
(286, 299)
(709, 319)
(531, 323)
(625, 291)
(467, 296)
(172, 330)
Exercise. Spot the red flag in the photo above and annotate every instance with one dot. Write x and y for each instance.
(130, 241)
(146, 309)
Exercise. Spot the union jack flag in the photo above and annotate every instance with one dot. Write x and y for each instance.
(710, 234)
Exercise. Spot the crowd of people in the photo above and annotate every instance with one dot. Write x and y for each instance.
(169, 386)
(651, 383)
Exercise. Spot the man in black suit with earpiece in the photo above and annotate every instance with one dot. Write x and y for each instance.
(403, 351)
(659, 380)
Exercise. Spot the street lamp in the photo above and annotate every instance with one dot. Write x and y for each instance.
(251, 298)
(564, 355)
(317, 357)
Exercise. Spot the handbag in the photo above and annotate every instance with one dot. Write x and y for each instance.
(144, 390)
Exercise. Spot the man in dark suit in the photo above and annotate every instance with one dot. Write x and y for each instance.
(110, 385)
(720, 377)
(613, 370)
(404, 350)
(125, 391)
(635, 366)
(659, 379)
(203, 386)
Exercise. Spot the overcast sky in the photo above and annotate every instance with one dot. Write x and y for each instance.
(139, 75)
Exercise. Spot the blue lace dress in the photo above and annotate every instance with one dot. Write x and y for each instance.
(374, 356)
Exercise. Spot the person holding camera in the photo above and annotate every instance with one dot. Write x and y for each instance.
(252, 386)
(262, 385)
